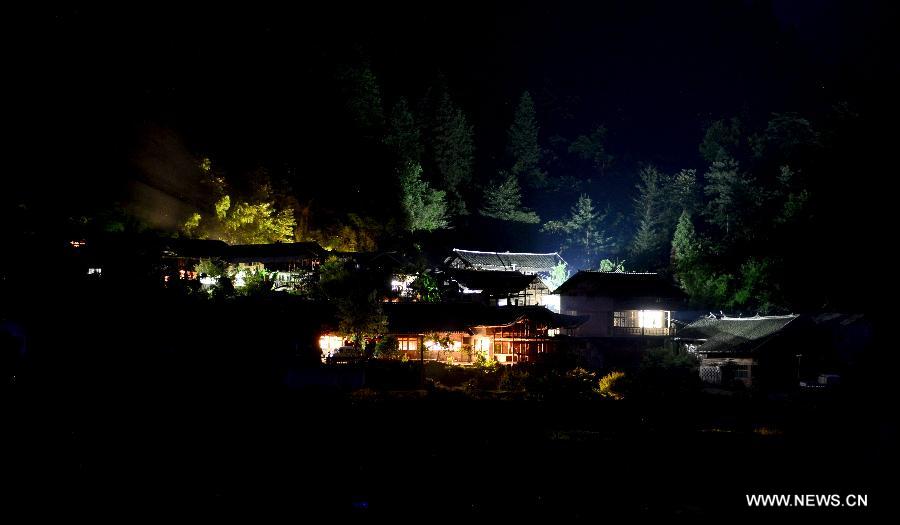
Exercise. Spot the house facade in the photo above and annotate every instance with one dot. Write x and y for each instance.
(499, 288)
(620, 304)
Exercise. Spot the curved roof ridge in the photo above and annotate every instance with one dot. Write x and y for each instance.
(504, 253)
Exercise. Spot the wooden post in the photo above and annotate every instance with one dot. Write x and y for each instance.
(421, 360)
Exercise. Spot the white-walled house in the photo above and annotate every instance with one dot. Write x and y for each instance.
(620, 304)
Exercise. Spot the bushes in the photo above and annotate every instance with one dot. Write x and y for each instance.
(513, 379)
(612, 385)
(665, 373)
(387, 348)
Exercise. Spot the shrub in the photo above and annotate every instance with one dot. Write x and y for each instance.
(513, 378)
(611, 386)
(387, 348)
(665, 373)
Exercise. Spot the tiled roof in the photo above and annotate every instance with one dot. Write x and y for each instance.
(194, 248)
(619, 284)
(416, 318)
(535, 262)
(733, 334)
(277, 252)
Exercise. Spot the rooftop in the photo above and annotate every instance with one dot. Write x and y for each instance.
(734, 334)
(537, 262)
(412, 318)
(619, 284)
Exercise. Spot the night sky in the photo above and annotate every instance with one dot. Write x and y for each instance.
(249, 86)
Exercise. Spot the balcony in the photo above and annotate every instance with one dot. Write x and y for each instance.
(637, 331)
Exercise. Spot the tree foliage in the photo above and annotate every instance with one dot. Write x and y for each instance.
(404, 136)
(582, 230)
(609, 265)
(454, 151)
(592, 148)
(503, 200)
(523, 146)
(425, 207)
(558, 275)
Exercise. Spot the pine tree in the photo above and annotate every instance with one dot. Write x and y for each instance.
(454, 151)
(722, 140)
(363, 98)
(733, 199)
(656, 219)
(523, 146)
(504, 201)
(684, 241)
(583, 230)
(404, 136)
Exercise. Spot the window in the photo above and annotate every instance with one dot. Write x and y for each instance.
(408, 343)
(742, 371)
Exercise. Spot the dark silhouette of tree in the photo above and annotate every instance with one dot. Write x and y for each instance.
(454, 151)
(404, 135)
(592, 148)
(523, 146)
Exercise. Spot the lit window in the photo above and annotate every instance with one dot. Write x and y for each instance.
(407, 343)
(329, 344)
(650, 318)
(95, 271)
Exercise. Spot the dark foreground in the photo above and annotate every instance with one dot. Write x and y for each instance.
(432, 455)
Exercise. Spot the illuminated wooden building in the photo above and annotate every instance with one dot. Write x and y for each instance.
(456, 332)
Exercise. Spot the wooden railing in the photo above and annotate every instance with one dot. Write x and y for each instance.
(637, 331)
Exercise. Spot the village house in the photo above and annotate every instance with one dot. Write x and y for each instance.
(620, 304)
(457, 332)
(291, 265)
(778, 352)
(541, 264)
(465, 263)
(759, 350)
(499, 288)
(179, 257)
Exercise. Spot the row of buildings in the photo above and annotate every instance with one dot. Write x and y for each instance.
(511, 307)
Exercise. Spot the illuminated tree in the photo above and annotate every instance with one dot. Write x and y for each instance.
(523, 144)
(582, 230)
(425, 207)
(558, 275)
(704, 285)
(426, 288)
(608, 265)
(256, 221)
(503, 200)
